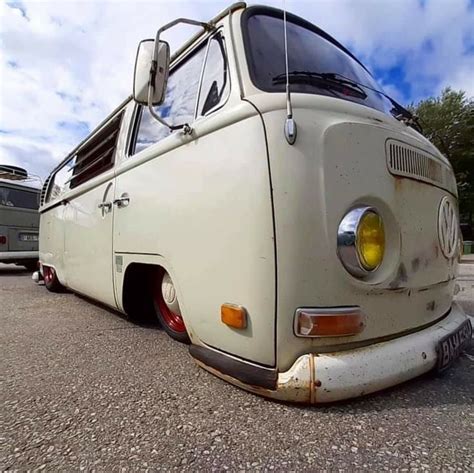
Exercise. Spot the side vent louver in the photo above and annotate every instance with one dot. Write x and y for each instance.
(407, 161)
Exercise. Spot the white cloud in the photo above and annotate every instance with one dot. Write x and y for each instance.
(65, 65)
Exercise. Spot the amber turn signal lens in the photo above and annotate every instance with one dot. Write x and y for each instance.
(234, 316)
(331, 322)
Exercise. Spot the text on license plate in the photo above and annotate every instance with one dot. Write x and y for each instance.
(451, 346)
(28, 237)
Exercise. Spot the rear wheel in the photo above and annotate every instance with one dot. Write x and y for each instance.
(167, 307)
(51, 280)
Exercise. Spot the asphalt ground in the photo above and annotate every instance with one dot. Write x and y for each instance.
(82, 388)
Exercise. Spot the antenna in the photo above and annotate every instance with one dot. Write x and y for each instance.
(290, 125)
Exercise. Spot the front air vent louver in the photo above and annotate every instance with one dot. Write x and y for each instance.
(410, 162)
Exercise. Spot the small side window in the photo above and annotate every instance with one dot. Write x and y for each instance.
(215, 80)
(182, 103)
(179, 105)
(97, 155)
(60, 182)
(92, 159)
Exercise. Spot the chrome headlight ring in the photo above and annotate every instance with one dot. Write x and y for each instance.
(347, 241)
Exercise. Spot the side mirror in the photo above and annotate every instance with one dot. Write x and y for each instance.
(143, 67)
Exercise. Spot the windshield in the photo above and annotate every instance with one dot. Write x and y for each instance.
(18, 198)
(310, 50)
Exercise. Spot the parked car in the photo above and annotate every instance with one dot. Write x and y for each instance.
(292, 225)
(19, 218)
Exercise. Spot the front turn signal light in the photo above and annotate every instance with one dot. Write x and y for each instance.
(329, 322)
(234, 316)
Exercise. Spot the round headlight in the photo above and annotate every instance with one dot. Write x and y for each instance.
(361, 241)
(370, 240)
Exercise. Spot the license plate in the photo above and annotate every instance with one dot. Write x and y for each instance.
(28, 237)
(450, 347)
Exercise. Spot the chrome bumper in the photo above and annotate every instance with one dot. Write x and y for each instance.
(329, 377)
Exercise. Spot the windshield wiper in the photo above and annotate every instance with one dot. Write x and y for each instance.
(398, 111)
(324, 80)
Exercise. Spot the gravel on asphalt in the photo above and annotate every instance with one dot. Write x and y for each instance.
(84, 388)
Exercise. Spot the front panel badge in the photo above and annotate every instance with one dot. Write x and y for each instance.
(448, 227)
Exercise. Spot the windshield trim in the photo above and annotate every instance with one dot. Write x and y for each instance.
(291, 18)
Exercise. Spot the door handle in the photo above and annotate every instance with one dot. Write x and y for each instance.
(123, 201)
(107, 206)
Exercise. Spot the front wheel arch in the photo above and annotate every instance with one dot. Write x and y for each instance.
(138, 302)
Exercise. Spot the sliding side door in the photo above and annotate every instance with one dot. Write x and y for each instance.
(89, 217)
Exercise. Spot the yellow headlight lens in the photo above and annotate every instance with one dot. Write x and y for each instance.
(370, 241)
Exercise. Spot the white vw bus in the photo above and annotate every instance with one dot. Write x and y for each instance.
(285, 220)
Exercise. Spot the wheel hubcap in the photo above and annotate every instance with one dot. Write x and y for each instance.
(165, 296)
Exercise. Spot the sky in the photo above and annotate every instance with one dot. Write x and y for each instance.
(64, 66)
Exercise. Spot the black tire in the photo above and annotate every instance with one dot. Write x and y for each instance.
(31, 266)
(51, 280)
(172, 323)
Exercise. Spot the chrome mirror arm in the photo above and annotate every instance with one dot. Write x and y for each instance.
(187, 130)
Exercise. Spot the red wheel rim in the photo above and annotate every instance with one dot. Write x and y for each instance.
(174, 321)
(48, 274)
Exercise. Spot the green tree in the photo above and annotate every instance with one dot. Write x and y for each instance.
(448, 122)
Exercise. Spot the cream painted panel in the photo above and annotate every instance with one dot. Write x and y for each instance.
(88, 244)
(205, 207)
(51, 240)
(337, 161)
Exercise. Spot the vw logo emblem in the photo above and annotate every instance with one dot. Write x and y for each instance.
(447, 227)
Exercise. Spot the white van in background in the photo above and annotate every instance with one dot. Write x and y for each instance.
(304, 244)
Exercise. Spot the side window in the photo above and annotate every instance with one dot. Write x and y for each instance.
(19, 198)
(182, 102)
(94, 158)
(60, 182)
(215, 80)
(97, 155)
(179, 104)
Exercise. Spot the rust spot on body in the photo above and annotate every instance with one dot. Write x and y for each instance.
(431, 306)
(415, 264)
(398, 183)
(400, 278)
(312, 389)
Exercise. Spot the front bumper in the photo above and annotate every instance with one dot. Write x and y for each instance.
(11, 256)
(328, 377)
